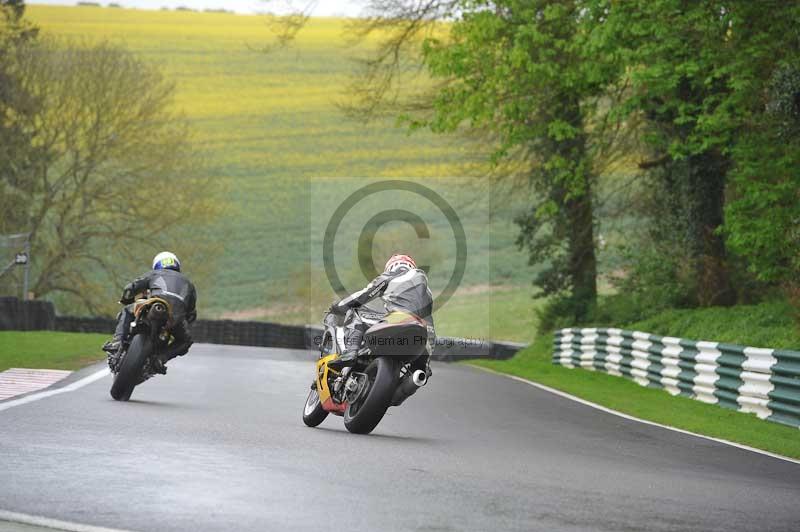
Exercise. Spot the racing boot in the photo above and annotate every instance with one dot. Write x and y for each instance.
(112, 346)
(112, 349)
(118, 340)
(157, 366)
(352, 342)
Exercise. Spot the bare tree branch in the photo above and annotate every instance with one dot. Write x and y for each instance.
(115, 171)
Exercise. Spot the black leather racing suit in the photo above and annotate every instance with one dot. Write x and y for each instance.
(182, 296)
(404, 290)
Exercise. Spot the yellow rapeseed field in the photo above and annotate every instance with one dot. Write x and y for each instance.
(269, 122)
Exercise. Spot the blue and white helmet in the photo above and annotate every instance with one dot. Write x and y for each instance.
(166, 261)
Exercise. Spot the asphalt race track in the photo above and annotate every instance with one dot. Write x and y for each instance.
(218, 444)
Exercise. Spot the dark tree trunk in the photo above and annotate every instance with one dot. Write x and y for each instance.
(707, 177)
(582, 258)
(562, 173)
(701, 197)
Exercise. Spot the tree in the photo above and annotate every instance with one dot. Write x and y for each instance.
(694, 70)
(111, 167)
(518, 69)
(552, 82)
(764, 210)
(675, 76)
(13, 12)
(15, 143)
(399, 28)
(514, 73)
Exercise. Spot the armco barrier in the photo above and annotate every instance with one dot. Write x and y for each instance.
(765, 382)
(26, 315)
(40, 315)
(85, 325)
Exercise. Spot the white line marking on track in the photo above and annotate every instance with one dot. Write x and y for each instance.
(56, 524)
(48, 393)
(632, 418)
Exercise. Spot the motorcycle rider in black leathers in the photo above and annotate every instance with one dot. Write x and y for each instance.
(165, 281)
(403, 287)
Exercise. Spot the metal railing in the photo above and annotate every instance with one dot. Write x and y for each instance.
(762, 381)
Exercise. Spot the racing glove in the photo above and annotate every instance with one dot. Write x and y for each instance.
(127, 296)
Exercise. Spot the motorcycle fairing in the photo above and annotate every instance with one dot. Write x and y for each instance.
(400, 334)
(325, 398)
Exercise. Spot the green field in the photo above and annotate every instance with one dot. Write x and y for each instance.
(49, 350)
(271, 132)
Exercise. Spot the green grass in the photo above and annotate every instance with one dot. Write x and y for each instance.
(770, 324)
(503, 313)
(49, 350)
(765, 325)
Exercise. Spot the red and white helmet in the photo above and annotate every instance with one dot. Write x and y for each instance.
(399, 261)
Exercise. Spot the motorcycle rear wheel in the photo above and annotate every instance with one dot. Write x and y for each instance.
(363, 416)
(130, 369)
(313, 413)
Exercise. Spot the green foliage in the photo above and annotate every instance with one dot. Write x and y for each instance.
(764, 211)
(692, 66)
(16, 144)
(612, 309)
(517, 70)
(783, 102)
(651, 300)
(13, 11)
(557, 313)
(768, 324)
(697, 82)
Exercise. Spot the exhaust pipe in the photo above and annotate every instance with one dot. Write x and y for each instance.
(409, 386)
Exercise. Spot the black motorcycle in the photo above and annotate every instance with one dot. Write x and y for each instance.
(150, 335)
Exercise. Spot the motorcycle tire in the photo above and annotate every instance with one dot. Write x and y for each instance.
(130, 369)
(363, 416)
(313, 413)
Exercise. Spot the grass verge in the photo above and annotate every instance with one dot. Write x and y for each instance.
(771, 324)
(758, 326)
(49, 350)
(497, 313)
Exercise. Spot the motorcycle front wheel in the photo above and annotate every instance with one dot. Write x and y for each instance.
(313, 413)
(364, 415)
(130, 369)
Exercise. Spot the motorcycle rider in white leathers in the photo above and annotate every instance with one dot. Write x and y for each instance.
(402, 287)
